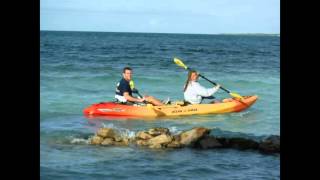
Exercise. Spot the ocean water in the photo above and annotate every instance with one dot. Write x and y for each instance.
(81, 68)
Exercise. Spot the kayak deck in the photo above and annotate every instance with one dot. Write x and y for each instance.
(115, 109)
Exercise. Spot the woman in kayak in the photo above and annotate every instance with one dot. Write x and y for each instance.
(124, 92)
(194, 92)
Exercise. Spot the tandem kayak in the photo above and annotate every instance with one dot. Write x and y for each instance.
(147, 110)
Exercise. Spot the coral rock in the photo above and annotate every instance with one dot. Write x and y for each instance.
(107, 142)
(209, 142)
(187, 138)
(96, 140)
(161, 139)
(106, 132)
(270, 145)
(158, 131)
(143, 135)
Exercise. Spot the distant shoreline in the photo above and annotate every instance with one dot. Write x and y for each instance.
(235, 34)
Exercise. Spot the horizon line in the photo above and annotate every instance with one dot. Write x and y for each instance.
(163, 32)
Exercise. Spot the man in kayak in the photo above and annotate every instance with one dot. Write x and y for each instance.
(194, 92)
(124, 92)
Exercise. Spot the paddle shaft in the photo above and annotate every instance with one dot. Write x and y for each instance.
(137, 92)
(214, 83)
(139, 95)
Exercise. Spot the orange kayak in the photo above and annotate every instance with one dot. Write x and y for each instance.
(147, 110)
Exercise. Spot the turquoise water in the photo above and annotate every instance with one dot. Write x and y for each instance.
(81, 68)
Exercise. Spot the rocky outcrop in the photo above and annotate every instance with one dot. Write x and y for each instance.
(159, 141)
(238, 143)
(96, 140)
(208, 142)
(143, 135)
(106, 132)
(197, 137)
(108, 137)
(270, 145)
(107, 141)
(153, 138)
(158, 131)
(188, 138)
(174, 144)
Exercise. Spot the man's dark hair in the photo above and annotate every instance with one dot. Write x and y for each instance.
(126, 68)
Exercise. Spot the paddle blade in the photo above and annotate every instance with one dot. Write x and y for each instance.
(236, 95)
(131, 83)
(179, 63)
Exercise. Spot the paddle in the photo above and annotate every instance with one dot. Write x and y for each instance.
(134, 90)
(181, 64)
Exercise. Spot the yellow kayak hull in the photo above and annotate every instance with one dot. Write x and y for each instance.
(115, 109)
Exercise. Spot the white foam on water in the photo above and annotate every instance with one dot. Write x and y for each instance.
(79, 141)
(174, 130)
(126, 133)
(130, 134)
(242, 114)
(110, 125)
(122, 131)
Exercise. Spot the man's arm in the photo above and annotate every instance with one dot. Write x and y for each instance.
(132, 99)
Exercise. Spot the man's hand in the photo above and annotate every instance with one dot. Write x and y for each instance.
(142, 100)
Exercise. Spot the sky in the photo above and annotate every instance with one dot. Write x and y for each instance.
(162, 16)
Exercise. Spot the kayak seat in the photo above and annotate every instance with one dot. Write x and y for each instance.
(209, 97)
(185, 103)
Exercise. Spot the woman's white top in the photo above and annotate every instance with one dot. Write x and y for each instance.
(195, 92)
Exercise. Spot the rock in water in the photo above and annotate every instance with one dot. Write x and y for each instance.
(195, 138)
(162, 139)
(96, 140)
(158, 131)
(118, 138)
(121, 143)
(208, 142)
(187, 138)
(107, 142)
(125, 141)
(143, 135)
(106, 133)
(174, 144)
(155, 146)
(177, 138)
(270, 144)
(242, 143)
(142, 143)
(223, 141)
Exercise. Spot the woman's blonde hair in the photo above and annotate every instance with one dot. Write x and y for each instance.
(188, 79)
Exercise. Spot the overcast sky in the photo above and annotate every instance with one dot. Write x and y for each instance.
(162, 16)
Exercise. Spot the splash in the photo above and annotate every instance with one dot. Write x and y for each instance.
(80, 141)
(123, 132)
(174, 130)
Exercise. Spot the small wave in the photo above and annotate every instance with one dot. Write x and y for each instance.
(174, 130)
(79, 141)
(130, 133)
(218, 132)
(122, 131)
